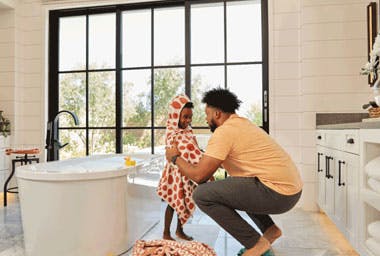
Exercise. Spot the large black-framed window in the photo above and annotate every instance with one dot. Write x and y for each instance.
(117, 67)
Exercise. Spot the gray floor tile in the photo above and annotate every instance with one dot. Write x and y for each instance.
(322, 237)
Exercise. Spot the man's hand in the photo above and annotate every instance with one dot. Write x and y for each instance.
(171, 151)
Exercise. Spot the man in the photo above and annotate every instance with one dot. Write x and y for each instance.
(263, 179)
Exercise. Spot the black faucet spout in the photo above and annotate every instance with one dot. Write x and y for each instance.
(76, 120)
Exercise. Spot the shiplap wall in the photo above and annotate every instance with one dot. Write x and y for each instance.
(316, 49)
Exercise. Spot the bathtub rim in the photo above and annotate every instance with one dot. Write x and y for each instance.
(46, 176)
(25, 172)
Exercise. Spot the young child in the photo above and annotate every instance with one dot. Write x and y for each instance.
(174, 188)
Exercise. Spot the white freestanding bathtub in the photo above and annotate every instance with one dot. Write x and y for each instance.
(88, 206)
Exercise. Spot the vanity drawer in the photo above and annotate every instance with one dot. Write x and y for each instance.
(343, 140)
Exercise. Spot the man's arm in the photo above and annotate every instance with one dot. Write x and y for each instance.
(200, 172)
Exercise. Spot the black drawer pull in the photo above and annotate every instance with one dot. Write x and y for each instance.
(350, 141)
(328, 175)
(319, 137)
(319, 169)
(340, 173)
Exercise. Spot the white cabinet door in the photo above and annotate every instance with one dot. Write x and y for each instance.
(330, 159)
(351, 170)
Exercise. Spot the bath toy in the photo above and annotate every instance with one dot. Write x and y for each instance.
(129, 161)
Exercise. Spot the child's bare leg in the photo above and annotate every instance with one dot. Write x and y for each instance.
(272, 233)
(260, 247)
(168, 220)
(179, 232)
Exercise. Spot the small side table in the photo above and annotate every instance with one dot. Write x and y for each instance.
(27, 158)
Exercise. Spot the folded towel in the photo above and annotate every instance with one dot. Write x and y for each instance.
(374, 230)
(173, 248)
(374, 184)
(373, 168)
(373, 245)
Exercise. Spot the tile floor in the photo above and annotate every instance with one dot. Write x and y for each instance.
(304, 234)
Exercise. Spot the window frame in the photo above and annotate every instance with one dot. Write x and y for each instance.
(53, 61)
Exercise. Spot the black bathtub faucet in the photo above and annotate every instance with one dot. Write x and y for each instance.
(53, 145)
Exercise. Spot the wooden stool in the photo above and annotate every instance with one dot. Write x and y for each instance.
(25, 159)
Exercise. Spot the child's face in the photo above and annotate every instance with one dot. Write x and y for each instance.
(185, 118)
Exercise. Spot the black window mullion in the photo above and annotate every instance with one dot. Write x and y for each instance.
(225, 42)
(187, 49)
(265, 67)
(87, 89)
(119, 84)
(152, 80)
(53, 88)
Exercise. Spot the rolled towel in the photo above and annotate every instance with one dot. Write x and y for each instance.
(374, 185)
(373, 245)
(373, 168)
(374, 230)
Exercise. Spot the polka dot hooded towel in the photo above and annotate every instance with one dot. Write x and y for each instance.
(174, 188)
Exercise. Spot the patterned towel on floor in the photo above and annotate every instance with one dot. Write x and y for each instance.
(171, 248)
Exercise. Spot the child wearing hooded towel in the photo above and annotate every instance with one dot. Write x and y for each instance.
(174, 188)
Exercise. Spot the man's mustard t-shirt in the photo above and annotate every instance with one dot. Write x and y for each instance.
(248, 151)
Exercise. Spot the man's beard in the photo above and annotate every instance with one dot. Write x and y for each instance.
(212, 126)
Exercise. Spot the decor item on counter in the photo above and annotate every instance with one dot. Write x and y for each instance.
(5, 125)
(374, 112)
(370, 104)
(374, 109)
(370, 68)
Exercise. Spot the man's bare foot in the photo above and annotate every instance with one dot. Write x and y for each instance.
(272, 233)
(168, 237)
(260, 247)
(183, 236)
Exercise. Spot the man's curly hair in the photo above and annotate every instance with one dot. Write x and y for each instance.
(221, 99)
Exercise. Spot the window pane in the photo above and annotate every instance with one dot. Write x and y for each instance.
(203, 135)
(168, 82)
(72, 43)
(244, 31)
(102, 41)
(159, 141)
(136, 38)
(101, 99)
(169, 36)
(202, 80)
(207, 33)
(101, 142)
(72, 97)
(138, 140)
(137, 107)
(76, 146)
(246, 82)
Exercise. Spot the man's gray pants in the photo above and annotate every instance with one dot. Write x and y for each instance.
(221, 199)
